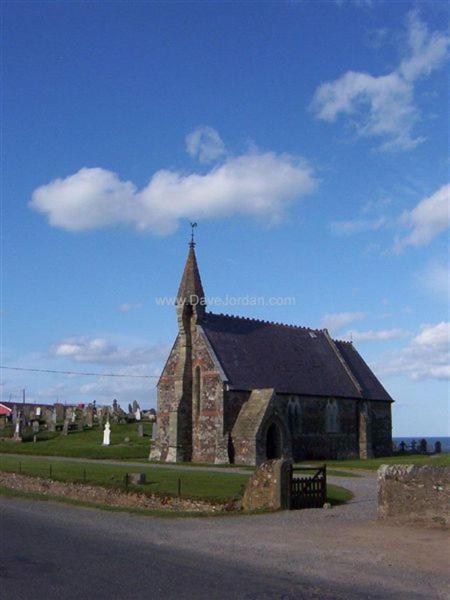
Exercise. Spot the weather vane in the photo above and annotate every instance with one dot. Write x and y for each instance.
(193, 226)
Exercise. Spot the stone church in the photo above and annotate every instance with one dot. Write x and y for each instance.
(240, 390)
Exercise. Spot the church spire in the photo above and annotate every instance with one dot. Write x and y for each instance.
(191, 291)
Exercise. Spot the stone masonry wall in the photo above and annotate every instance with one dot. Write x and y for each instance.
(166, 404)
(381, 428)
(413, 494)
(209, 440)
(313, 441)
(269, 487)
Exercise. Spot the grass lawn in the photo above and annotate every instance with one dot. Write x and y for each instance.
(194, 484)
(207, 485)
(372, 464)
(86, 444)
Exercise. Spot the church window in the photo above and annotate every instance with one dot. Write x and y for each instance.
(294, 416)
(197, 390)
(332, 416)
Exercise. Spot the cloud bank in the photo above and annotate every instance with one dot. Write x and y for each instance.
(383, 106)
(255, 184)
(426, 357)
(429, 218)
(336, 321)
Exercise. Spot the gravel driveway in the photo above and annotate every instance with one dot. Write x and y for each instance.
(339, 553)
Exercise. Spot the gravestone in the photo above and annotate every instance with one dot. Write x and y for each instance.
(137, 414)
(107, 434)
(38, 411)
(140, 430)
(414, 446)
(154, 431)
(437, 447)
(17, 437)
(59, 411)
(137, 478)
(35, 426)
(51, 420)
(89, 416)
(14, 415)
(65, 429)
(423, 446)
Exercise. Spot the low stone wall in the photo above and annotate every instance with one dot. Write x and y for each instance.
(269, 486)
(110, 496)
(413, 494)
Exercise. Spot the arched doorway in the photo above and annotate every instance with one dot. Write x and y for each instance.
(274, 443)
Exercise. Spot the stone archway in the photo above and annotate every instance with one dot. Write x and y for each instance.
(274, 441)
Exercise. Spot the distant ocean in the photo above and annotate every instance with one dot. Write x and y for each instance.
(445, 442)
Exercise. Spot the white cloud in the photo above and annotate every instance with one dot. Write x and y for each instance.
(426, 220)
(205, 144)
(336, 321)
(127, 306)
(383, 106)
(256, 184)
(353, 226)
(426, 357)
(104, 352)
(371, 335)
(436, 280)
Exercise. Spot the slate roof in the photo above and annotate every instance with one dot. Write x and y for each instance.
(371, 386)
(297, 360)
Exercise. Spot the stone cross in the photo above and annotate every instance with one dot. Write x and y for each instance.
(17, 437)
(107, 434)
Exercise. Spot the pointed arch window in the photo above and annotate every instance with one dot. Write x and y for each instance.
(197, 391)
(332, 416)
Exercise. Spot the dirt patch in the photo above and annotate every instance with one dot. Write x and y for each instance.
(108, 496)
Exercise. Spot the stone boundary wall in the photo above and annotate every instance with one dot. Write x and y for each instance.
(269, 486)
(110, 496)
(415, 495)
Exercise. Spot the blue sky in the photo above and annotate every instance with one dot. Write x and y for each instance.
(308, 139)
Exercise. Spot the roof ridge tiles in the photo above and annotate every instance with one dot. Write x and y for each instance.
(255, 320)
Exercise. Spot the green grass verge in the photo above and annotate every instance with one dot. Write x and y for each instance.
(206, 485)
(337, 494)
(373, 464)
(330, 472)
(86, 444)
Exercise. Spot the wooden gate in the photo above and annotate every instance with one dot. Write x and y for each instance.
(309, 491)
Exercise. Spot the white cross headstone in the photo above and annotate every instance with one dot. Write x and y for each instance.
(107, 434)
(137, 415)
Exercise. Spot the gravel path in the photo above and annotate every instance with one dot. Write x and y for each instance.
(339, 554)
(121, 463)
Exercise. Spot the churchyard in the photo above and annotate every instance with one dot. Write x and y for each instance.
(125, 443)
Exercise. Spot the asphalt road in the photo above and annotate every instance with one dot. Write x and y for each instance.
(53, 551)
